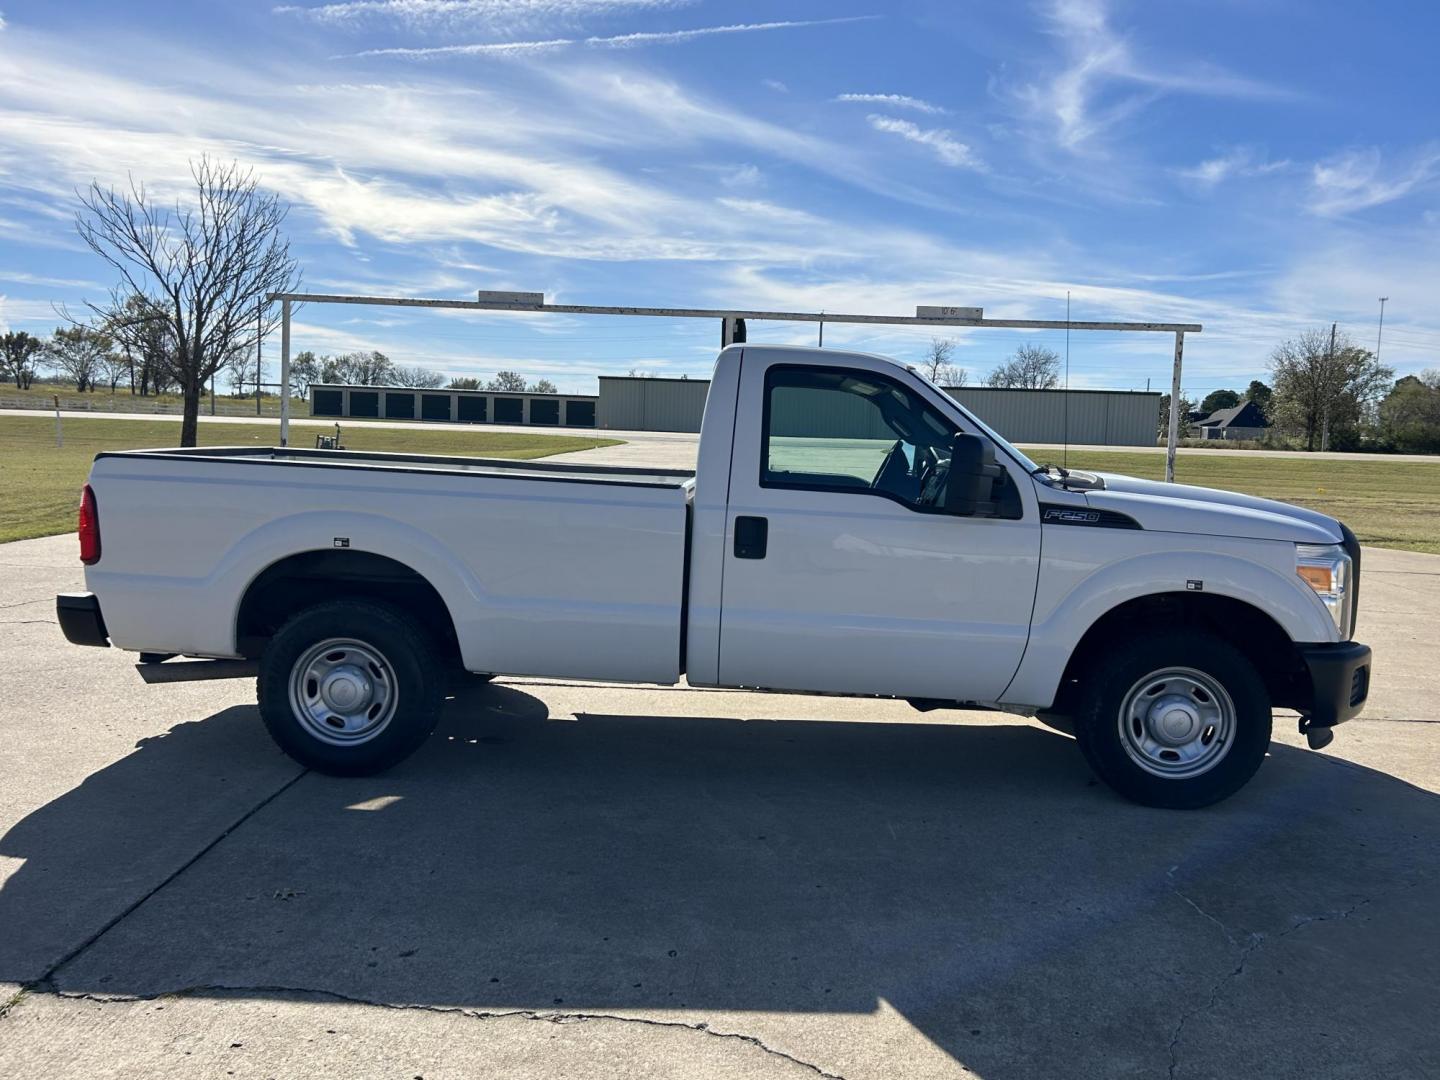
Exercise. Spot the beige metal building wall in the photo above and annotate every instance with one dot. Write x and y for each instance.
(636, 404)
(1097, 417)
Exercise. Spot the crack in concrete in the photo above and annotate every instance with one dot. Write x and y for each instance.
(1256, 943)
(458, 1010)
(1229, 936)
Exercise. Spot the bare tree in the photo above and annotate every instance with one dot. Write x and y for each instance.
(938, 367)
(79, 353)
(359, 369)
(419, 377)
(1032, 367)
(508, 381)
(207, 264)
(20, 354)
(1320, 390)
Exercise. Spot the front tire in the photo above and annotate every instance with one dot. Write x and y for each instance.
(1177, 720)
(350, 687)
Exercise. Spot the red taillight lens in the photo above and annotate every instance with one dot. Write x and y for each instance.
(89, 528)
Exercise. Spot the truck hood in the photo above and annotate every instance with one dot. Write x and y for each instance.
(1208, 512)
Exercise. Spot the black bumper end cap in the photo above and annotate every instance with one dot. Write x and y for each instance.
(80, 619)
(1339, 683)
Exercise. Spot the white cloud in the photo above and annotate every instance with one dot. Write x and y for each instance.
(1358, 180)
(615, 41)
(457, 14)
(895, 101)
(1238, 162)
(776, 85)
(945, 146)
(1104, 81)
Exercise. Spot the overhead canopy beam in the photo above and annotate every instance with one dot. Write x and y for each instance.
(726, 313)
(730, 319)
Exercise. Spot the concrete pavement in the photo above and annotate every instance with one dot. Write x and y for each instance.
(606, 881)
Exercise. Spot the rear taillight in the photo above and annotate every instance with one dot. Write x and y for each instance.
(89, 528)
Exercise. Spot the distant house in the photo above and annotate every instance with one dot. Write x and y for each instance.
(1244, 421)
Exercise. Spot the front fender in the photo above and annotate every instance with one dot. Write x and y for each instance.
(1074, 595)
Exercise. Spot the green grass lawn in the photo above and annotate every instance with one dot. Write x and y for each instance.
(40, 483)
(1388, 503)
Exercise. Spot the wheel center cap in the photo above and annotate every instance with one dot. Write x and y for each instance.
(1174, 720)
(346, 689)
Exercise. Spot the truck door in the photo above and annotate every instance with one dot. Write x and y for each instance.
(841, 574)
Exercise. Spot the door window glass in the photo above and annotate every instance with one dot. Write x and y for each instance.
(832, 429)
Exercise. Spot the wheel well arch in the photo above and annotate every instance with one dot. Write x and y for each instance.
(307, 578)
(1248, 628)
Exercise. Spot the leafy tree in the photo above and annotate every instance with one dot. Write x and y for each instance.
(465, 382)
(78, 352)
(1410, 414)
(938, 367)
(20, 354)
(543, 386)
(421, 378)
(508, 381)
(206, 263)
(1217, 400)
(1186, 408)
(1032, 367)
(304, 370)
(141, 334)
(1261, 395)
(1322, 393)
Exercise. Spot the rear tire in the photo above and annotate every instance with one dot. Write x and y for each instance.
(1177, 719)
(350, 687)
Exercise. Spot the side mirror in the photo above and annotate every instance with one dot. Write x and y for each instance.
(971, 482)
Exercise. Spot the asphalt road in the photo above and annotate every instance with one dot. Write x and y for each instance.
(590, 881)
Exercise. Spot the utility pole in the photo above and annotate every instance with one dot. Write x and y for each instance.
(1381, 328)
(259, 364)
(1329, 374)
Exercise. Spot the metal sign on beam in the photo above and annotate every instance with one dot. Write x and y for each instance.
(925, 311)
(508, 299)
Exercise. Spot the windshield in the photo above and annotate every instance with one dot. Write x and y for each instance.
(999, 440)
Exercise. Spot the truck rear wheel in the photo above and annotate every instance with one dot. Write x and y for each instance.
(350, 687)
(1177, 720)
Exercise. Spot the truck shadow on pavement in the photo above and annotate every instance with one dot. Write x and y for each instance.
(971, 876)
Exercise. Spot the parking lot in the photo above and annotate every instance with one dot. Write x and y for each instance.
(630, 881)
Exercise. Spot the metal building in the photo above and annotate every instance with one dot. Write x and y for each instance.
(456, 406)
(625, 403)
(1095, 417)
(644, 404)
(1086, 417)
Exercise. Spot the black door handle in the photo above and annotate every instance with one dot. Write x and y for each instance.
(751, 536)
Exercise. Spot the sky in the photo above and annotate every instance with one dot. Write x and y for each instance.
(1260, 167)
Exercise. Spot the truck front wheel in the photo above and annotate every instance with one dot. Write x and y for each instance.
(350, 687)
(1177, 720)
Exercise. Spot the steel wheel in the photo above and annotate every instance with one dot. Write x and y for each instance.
(343, 691)
(1177, 723)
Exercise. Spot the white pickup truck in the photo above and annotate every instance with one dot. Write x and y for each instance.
(850, 529)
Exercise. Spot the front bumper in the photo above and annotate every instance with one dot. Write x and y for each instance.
(80, 619)
(1339, 682)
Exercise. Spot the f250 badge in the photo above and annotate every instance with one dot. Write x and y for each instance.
(1072, 517)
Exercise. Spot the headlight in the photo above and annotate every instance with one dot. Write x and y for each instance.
(1327, 569)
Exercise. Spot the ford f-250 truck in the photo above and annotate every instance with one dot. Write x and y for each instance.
(850, 529)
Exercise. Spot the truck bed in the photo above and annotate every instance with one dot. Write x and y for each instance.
(547, 568)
